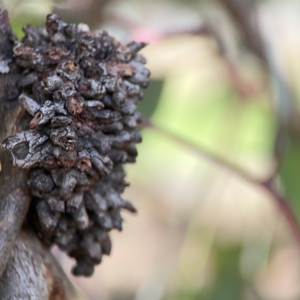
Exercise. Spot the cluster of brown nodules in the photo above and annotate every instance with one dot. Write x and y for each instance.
(80, 91)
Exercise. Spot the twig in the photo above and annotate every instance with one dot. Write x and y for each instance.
(266, 185)
(243, 14)
(253, 291)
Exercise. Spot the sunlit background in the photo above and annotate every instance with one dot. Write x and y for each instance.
(201, 232)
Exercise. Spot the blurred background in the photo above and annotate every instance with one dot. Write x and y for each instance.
(224, 80)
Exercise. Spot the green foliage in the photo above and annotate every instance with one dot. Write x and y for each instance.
(227, 283)
(290, 173)
(151, 97)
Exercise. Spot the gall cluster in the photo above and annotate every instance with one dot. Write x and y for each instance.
(80, 91)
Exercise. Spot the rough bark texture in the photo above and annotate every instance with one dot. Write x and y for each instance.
(32, 273)
(14, 193)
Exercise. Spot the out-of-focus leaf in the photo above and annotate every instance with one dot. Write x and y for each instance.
(227, 284)
(290, 173)
(211, 116)
(151, 97)
(23, 12)
(18, 24)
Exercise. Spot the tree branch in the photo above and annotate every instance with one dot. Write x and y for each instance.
(33, 273)
(241, 13)
(266, 186)
(14, 196)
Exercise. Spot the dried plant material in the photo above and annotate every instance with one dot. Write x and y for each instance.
(81, 90)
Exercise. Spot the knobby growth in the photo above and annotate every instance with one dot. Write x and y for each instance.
(78, 96)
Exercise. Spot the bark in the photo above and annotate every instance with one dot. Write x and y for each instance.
(27, 268)
(33, 273)
(14, 194)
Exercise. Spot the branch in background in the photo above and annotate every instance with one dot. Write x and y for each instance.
(242, 13)
(266, 185)
(74, 10)
(245, 88)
